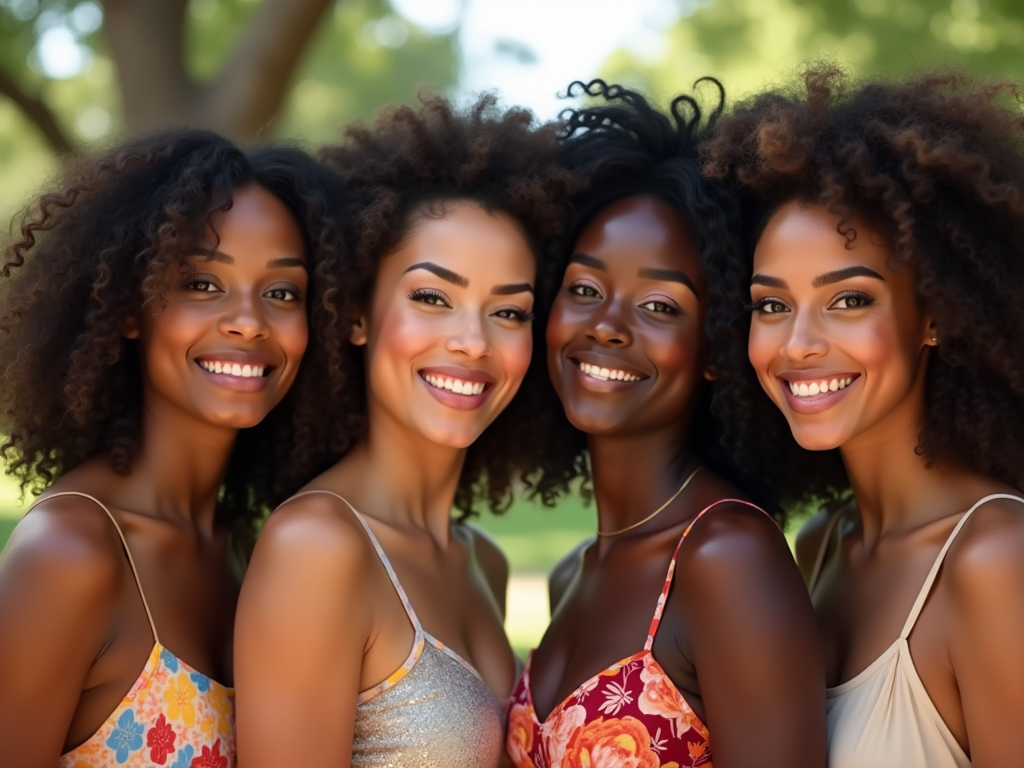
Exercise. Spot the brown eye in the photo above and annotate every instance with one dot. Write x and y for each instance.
(282, 294)
(582, 289)
(853, 301)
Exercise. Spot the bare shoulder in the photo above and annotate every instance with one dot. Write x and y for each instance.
(987, 557)
(315, 531)
(66, 545)
(564, 571)
(735, 544)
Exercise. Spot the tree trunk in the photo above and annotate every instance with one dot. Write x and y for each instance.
(147, 37)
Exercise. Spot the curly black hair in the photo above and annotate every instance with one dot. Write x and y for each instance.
(624, 146)
(936, 165)
(93, 251)
(409, 164)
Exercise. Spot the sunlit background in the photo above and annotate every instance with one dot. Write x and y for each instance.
(73, 74)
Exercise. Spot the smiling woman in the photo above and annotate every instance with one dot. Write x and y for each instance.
(887, 327)
(370, 624)
(156, 308)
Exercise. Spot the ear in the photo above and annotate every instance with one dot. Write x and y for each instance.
(931, 337)
(357, 331)
(130, 327)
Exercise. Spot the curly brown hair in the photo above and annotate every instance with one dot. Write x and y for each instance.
(410, 164)
(93, 251)
(936, 165)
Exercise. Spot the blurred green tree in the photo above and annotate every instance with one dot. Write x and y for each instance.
(753, 44)
(74, 72)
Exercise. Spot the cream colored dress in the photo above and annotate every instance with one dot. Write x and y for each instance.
(883, 717)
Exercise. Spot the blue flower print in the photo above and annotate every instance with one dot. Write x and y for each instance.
(185, 755)
(169, 660)
(127, 736)
(202, 681)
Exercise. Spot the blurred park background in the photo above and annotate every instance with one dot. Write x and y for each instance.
(77, 73)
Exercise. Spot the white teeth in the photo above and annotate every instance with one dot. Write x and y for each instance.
(606, 374)
(233, 369)
(458, 386)
(803, 389)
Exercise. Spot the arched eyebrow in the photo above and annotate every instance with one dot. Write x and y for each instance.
(223, 258)
(445, 274)
(588, 261)
(670, 275)
(828, 278)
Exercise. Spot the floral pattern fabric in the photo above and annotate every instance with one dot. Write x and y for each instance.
(629, 716)
(173, 716)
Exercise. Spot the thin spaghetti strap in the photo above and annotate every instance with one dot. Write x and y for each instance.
(124, 543)
(380, 553)
(819, 560)
(667, 585)
(922, 596)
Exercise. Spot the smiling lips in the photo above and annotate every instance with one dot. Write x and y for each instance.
(227, 368)
(810, 389)
(606, 374)
(451, 384)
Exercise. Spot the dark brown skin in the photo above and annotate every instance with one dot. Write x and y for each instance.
(73, 630)
(966, 644)
(318, 620)
(737, 636)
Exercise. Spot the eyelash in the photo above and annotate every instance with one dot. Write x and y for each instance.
(578, 289)
(193, 286)
(516, 314)
(667, 309)
(424, 296)
(293, 294)
(761, 304)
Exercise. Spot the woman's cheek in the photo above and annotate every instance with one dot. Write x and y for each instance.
(518, 356)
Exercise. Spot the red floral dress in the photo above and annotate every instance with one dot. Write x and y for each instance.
(630, 715)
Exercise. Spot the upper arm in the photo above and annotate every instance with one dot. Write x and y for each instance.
(59, 580)
(984, 573)
(492, 562)
(753, 641)
(562, 575)
(303, 624)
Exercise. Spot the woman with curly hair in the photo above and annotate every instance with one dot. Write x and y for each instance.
(370, 622)
(888, 326)
(731, 663)
(154, 311)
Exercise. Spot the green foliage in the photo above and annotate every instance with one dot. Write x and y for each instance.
(753, 44)
(362, 55)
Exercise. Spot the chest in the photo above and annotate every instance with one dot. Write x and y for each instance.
(605, 616)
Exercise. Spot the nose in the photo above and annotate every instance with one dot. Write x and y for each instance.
(609, 326)
(805, 339)
(470, 338)
(243, 319)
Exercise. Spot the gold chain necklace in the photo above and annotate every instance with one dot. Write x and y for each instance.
(656, 512)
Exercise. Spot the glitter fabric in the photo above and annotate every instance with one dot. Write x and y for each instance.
(439, 714)
(434, 710)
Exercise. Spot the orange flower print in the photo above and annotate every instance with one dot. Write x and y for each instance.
(558, 729)
(615, 743)
(660, 697)
(519, 741)
(180, 697)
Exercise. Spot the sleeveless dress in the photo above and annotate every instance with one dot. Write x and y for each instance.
(883, 717)
(434, 711)
(172, 716)
(631, 714)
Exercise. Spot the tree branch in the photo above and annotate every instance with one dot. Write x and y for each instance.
(248, 93)
(37, 112)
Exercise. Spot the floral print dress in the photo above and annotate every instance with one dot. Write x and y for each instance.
(173, 715)
(630, 715)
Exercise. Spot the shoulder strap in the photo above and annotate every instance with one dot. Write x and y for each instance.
(934, 572)
(124, 543)
(819, 560)
(380, 553)
(667, 585)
